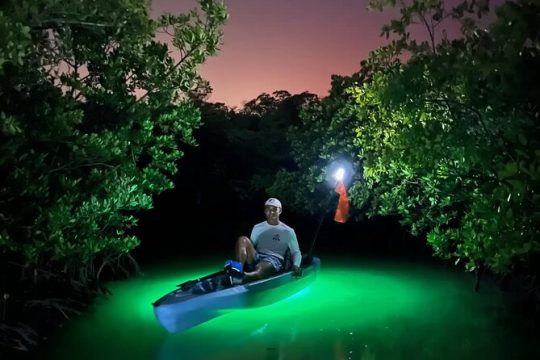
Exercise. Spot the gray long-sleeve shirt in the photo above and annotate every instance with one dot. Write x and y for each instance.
(275, 240)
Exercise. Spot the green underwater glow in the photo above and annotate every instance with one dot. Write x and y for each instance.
(355, 309)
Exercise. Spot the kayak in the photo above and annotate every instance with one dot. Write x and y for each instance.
(198, 301)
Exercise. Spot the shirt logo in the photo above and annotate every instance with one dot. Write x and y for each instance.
(276, 237)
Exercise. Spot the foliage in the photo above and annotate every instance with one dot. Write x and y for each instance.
(92, 111)
(449, 138)
(93, 107)
(325, 133)
(247, 146)
(441, 132)
(430, 15)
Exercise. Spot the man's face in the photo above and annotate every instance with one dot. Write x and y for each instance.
(272, 212)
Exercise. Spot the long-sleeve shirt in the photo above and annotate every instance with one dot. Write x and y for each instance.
(275, 240)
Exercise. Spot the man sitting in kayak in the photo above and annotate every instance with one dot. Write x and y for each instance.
(265, 254)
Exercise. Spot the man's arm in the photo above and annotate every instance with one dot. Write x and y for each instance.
(295, 254)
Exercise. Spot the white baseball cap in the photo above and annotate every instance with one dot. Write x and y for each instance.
(273, 202)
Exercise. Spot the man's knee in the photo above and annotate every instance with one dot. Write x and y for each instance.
(243, 243)
(243, 240)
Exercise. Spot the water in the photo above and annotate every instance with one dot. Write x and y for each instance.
(355, 309)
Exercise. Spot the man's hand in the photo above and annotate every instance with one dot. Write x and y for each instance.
(297, 271)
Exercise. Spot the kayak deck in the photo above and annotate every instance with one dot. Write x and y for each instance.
(183, 308)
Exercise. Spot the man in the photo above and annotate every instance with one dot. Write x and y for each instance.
(264, 255)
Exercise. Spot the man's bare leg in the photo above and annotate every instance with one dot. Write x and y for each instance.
(263, 270)
(244, 252)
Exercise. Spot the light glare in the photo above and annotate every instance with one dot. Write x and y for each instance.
(339, 174)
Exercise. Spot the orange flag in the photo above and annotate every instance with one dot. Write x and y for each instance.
(342, 211)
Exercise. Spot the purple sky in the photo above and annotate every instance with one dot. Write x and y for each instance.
(293, 45)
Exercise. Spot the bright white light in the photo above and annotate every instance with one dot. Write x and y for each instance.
(339, 174)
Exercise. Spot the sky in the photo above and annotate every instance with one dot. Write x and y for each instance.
(293, 45)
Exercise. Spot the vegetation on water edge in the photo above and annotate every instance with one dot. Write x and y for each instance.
(93, 109)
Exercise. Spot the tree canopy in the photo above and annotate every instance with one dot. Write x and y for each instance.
(443, 132)
(93, 108)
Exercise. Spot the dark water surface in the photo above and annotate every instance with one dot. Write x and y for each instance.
(355, 309)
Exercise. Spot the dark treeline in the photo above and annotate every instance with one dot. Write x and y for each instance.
(224, 180)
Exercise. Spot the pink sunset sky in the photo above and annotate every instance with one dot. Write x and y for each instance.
(293, 45)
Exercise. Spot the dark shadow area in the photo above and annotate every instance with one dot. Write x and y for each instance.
(183, 225)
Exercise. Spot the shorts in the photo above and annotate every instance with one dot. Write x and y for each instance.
(276, 262)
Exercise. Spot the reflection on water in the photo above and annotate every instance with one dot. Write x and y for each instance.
(354, 310)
